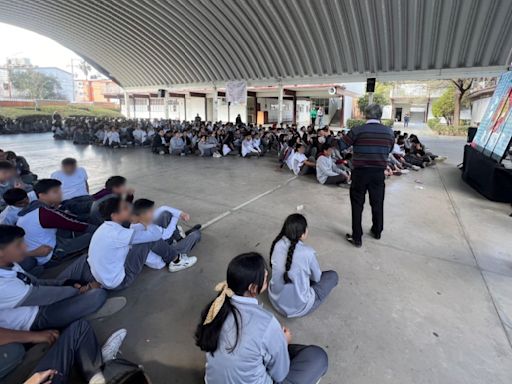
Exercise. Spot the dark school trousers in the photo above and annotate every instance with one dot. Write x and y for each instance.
(308, 363)
(371, 180)
(76, 346)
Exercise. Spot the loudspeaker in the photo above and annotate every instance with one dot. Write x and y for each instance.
(370, 84)
(471, 133)
(161, 93)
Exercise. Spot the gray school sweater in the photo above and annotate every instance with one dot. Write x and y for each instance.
(261, 356)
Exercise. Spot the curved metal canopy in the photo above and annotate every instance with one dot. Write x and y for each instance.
(149, 43)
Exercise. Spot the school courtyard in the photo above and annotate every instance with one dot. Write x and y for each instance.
(431, 302)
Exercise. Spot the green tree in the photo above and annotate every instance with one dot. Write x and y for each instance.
(378, 98)
(461, 87)
(444, 106)
(35, 85)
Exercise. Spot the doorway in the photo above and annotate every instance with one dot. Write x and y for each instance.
(398, 114)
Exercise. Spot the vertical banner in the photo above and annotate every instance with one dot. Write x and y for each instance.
(495, 131)
(236, 92)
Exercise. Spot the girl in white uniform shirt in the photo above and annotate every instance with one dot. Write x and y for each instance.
(245, 343)
(298, 286)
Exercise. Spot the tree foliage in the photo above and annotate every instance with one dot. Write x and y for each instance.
(36, 85)
(378, 98)
(444, 106)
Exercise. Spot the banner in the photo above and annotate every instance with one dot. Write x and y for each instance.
(236, 92)
(495, 131)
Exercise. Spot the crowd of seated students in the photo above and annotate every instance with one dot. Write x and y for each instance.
(61, 219)
(317, 153)
(24, 125)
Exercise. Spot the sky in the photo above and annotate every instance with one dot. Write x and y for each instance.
(42, 51)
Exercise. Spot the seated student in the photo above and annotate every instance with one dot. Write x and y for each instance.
(298, 286)
(167, 218)
(114, 186)
(327, 172)
(29, 303)
(248, 148)
(7, 177)
(140, 136)
(75, 189)
(300, 164)
(16, 199)
(112, 138)
(159, 144)
(206, 148)
(243, 342)
(117, 254)
(178, 145)
(22, 167)
(75, 347)
(42, 221)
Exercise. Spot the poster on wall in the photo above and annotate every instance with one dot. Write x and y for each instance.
(495, 131)
(236, 92)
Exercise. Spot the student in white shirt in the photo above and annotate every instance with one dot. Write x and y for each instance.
(16, 199)
(117, 254)
(300, 164)
(75, 188)
(29, 303)
(167, 218)
(243, 342)
(298, 286)
(248, 148)
(327, 172)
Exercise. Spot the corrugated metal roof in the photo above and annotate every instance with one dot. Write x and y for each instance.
(177, 42)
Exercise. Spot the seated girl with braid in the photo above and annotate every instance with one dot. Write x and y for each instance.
(244, 343)
(297, 286)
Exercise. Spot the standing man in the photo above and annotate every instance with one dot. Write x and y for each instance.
(372, 144)
(313, 117)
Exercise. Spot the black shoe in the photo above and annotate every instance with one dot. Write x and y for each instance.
(350, 239)
(196, 227)
(375, 235)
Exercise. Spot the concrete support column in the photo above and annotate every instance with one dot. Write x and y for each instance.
(215, 105)
(127, 104)
(280, 104)
(166, 105)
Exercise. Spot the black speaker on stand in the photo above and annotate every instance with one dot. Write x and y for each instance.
(161, 93)
(370, 84)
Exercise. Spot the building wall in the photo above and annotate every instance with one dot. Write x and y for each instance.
(478, 108)
(64, 78)
(195, 106)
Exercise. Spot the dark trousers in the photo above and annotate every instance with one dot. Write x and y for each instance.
(308, 363)
(338, 179)
(79, 206)
(76, 346)
(62, 313)
(363, 180)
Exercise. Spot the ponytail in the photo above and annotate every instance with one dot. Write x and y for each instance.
(207, 336)
(294, 227)
(243, 271)
(289, 259)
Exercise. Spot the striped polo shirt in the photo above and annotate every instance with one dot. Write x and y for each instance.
(372, 143)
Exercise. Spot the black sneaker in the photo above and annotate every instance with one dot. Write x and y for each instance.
(196, 227)
(375, 235)
(350, 239)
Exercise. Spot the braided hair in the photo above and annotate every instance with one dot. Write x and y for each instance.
(294, 227)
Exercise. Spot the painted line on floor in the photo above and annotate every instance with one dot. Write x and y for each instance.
(244, 204)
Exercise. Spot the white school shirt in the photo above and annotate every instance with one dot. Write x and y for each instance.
(36, 235)
(139, 134)
(296, 298)
(289, 159)
(74, 185)
(109, 247)
(247, 147)
(9, 215)
(12, 292)
(325, 167)
(298, 160)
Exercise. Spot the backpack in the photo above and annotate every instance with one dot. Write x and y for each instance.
(121, 371)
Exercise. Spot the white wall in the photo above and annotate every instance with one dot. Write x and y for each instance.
(478, 108)
(303, 112)
(271, 106)
(195, 106)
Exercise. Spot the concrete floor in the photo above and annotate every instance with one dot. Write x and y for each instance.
(429, 303)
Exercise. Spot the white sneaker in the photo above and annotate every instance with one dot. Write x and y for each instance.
(184, 263)
(415, 168)
(404, 171)
(111, 347)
